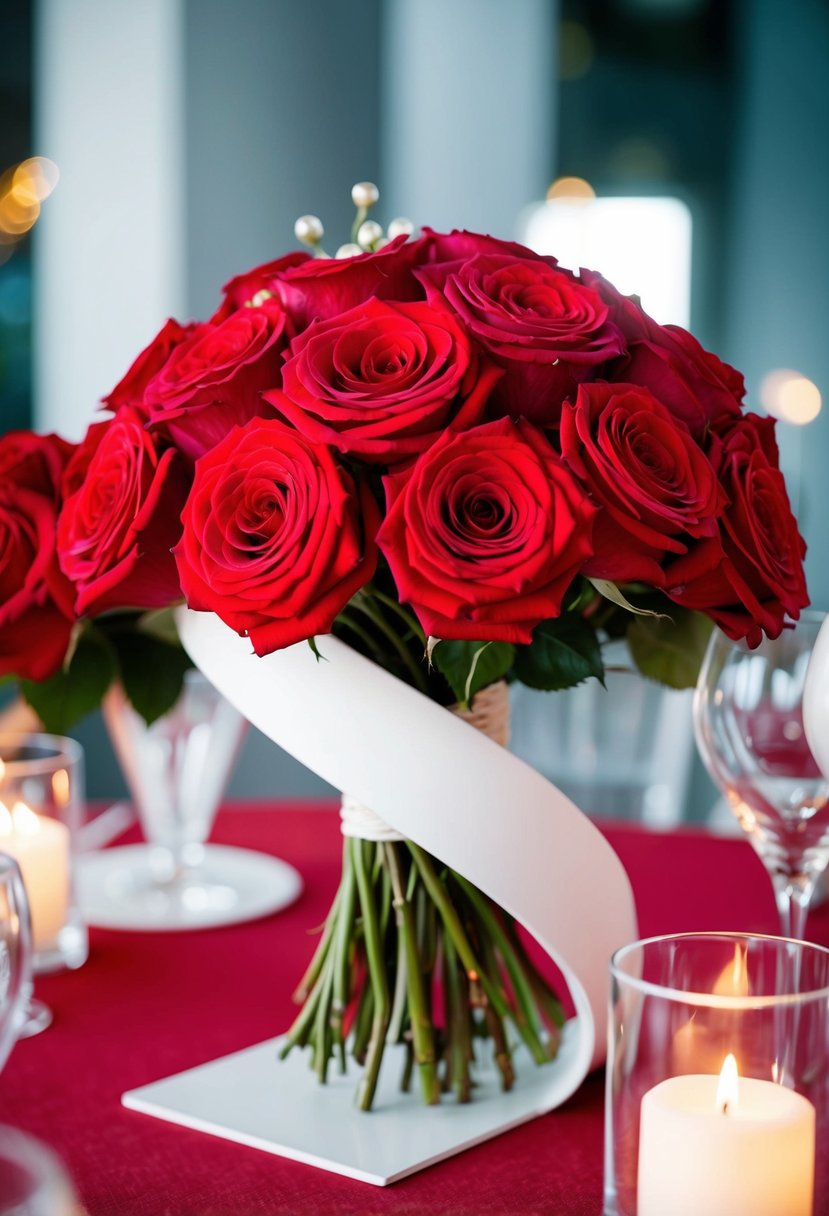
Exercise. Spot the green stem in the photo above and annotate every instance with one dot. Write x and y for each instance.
(525, 1011)
(398, 1005)
(377, 975)
(454, 928)
(408, 617)
(364, 605)
(341, 953)
(322, 1024)
(457, 1023)
(420, 1019)
(315, 966)
(363, 634)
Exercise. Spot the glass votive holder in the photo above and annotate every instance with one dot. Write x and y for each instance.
(33, 1181)
(41, 811)
(717, 1078)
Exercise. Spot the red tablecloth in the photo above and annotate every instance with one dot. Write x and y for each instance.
(147, 1005)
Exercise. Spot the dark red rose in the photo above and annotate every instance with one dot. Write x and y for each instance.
(758, 579)
(694, 384)
(36, 614)
(325, 287)
(540, 324)
(130, 390)
(116, 530)
(35, 462)
(381, 381)
(485, 532)
(656, 486)
(247, 288)
(277, 537)
(437, 248)
(213, 379)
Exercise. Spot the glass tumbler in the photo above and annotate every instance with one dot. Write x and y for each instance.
(718, 1078)
(41, 810)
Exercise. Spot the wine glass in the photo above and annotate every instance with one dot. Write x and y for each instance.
(748, 719)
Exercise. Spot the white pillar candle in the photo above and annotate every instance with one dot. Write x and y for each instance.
(703, 1153)
(40, 845)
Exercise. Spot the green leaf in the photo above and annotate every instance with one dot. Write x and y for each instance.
(315, 650)
(152, 672)
(670, 650)
(161, 624)
(611, 592)
(77, 689)
(470, 666)
(563, 653)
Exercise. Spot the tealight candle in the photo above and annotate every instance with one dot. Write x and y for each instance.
(40, 845)
(723, 1147)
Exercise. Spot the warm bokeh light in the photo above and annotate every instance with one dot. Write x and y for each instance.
(22, 189)
(570, 187)
(790, 396)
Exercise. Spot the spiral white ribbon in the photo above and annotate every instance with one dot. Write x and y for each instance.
(453, 791)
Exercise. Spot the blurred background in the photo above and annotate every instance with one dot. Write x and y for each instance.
(678, 145)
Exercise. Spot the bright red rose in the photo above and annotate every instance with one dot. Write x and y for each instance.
(758, 579)
(485, 532)
(656, 486)
(694, 384)
(436, 248)
(36, 614)
(381, 381)
(277, 537)
(130, 390)
(540, 324)
(213, 380)
(247, 288)
(117, 528)
(325, 287)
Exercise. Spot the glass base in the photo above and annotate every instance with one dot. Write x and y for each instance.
(35, 1017)
(70, 951)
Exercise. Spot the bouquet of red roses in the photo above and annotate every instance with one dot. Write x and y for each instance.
(466, 461)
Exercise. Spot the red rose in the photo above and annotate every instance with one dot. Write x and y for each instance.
(381, 381)
(485, 532)
(117, 528)
(247, 288)
(277, 537)
(758, 579)
(325, 287)
(458, 246)
(130, 390)
(694, 384)
(214, 378)
(540, 324)
(655, 484)
(36, 615)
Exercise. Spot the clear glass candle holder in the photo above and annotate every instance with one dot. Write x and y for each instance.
(718, 1078)
(41, 811)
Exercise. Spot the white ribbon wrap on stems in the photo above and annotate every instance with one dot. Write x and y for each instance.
(453, 791)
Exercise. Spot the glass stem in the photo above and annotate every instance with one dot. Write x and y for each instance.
(793, 893)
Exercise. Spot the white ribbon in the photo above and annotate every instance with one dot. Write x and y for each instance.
(472, 804)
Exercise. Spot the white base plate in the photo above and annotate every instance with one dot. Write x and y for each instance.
(252, 1098)
(115, 889)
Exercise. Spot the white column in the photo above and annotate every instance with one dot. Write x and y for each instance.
(109, 251)
(469, 97)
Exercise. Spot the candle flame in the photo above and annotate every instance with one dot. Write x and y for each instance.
(60, 786)
(728, 1089)
(733, 979)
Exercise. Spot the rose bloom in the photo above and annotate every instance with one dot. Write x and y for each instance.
(277, 537)
(36, 601)
(485, 532)
(322, 288)
(248, 288)
(692, 382)
(120, 517)
(214, 378)
(131, 388)
(381, 381)
(544, 328)
(656, 486)
(751, 577)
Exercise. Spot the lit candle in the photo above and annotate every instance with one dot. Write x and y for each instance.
(40, 846)
(720, 1146)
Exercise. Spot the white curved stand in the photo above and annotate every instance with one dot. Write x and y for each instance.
(471, 804)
